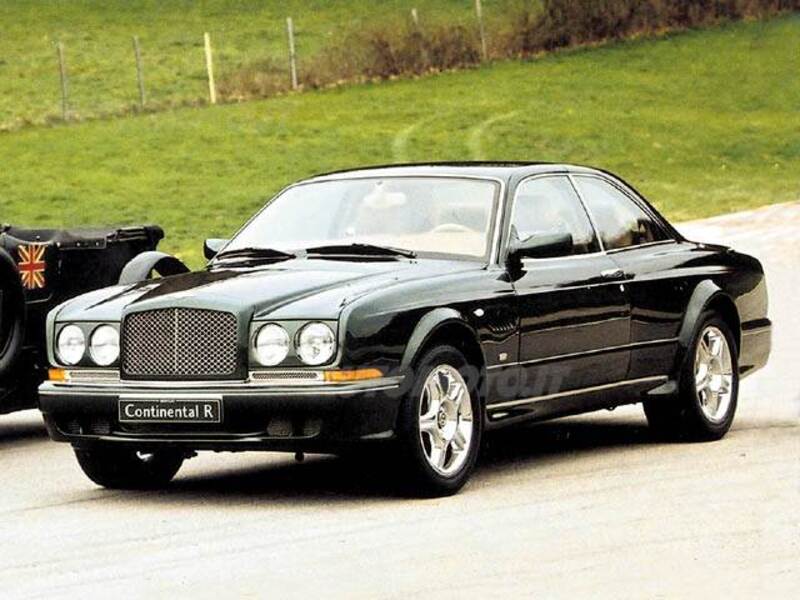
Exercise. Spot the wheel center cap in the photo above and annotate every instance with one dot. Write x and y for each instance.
(441, 419)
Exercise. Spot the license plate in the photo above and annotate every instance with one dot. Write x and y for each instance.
(194, 409)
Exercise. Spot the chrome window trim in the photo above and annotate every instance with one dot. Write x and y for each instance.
(567, 176)
(587, 390)
(499, 215)
(588, 213)
(489, 257)
(539, 261)
(633, 197)
(645, 245)
(571, 176)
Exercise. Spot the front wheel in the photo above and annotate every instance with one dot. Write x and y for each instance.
(123, 468)
(708, 387)
(441, 423)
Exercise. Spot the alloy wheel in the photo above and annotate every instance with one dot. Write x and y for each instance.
(713, 374)
(446, 424)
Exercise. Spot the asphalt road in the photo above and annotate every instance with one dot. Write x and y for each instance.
(587, 506)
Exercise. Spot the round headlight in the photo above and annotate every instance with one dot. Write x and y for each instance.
(316, 344)
(104, 345)
(271, 345)
(71, 345)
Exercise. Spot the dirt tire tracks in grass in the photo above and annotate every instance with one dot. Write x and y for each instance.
(400, 141)
(477, 132)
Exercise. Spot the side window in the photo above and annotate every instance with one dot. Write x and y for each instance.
(620, 221)
(548, 205)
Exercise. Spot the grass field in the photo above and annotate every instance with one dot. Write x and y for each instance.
(97, 35)
(703, 123)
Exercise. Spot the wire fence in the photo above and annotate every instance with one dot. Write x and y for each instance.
(160, 68)
(149, 79)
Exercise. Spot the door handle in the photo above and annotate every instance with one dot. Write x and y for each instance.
(616, 273)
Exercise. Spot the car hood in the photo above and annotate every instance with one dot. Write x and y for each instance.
(294, 289)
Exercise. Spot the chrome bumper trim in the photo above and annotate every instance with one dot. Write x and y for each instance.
(760, 330)
(234, 388)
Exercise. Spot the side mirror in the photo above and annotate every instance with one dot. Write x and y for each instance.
(542, 246)
(212, 246)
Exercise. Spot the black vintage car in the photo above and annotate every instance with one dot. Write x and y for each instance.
(40, 269)
(411, 308)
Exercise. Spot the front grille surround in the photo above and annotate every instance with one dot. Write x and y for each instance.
(180, 344)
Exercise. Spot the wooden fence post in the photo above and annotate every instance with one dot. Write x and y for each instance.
(62, 70)
(481, 28)
(139, 72)
(212, 89)
(292, 53)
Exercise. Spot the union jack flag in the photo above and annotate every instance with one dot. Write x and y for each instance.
(32, 265)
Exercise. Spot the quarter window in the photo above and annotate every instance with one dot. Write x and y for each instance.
(548, 205)
(621, 221)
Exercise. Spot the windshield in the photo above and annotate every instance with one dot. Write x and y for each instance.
(435, 215)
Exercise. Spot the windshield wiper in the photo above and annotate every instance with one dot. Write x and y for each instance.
(358, 249)
(254, 253)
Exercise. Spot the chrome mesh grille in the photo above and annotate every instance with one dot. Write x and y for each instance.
(179, 342)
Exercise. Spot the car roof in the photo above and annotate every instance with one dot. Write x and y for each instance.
(507, 171)
(499, 170)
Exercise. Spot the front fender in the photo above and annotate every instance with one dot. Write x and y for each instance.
(427, 327)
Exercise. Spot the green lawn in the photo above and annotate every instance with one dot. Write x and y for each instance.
(97, 35)
(703, 123)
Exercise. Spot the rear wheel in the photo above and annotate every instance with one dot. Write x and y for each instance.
(441, 424)
(708, 387)
(123, 468)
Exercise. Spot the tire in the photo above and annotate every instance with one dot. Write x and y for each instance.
(128, 469)
(431, 459)
(12, 317)
(691, 414)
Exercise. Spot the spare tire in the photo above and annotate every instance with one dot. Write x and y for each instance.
(12, 316)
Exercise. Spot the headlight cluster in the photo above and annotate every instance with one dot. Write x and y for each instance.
(272, 345)
(103, 345)
(314, 344)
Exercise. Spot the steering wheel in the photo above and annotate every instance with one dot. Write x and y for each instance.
(452, 228)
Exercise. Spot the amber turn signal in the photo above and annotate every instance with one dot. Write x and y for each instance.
(352, 375)
(57, 374)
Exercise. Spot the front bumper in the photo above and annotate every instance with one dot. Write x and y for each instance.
(321, 417)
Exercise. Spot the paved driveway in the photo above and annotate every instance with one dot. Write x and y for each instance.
(587, 506)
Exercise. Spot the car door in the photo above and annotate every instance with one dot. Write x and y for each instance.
(574, 313)
(637, 242)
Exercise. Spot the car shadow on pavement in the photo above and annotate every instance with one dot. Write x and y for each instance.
(324, 478)
(561, 440)
(330, 479)
(13, 430)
